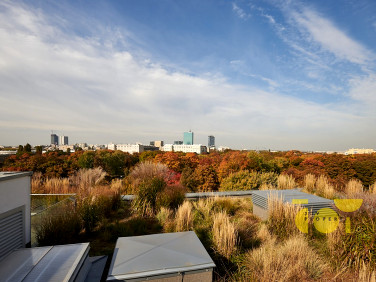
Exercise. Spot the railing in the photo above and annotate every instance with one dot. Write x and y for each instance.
(199, 195)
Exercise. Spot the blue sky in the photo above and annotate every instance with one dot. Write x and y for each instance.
(255, 74)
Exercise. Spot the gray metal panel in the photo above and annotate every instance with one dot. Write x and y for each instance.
(61, 263)
(11, 231)
(315, 203)
(19, 263)
(58, 263)
(145, 256)
(4, 175)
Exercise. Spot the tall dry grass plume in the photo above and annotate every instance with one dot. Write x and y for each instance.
(147, 170)
(281, 217)
(86, 179)
(324, 188)
(293, 260)
(204, 206)
(57, 186)
(266, 186)
(224, 234)
(353, 187)
(366, 274)
(286, 182)
(309, 182)
(184, 217)
(372, 189)
(36, 183)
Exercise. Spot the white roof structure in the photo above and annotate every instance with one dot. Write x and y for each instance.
(158, 254)
(56, 263)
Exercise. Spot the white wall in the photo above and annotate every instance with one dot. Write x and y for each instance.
(15, 192)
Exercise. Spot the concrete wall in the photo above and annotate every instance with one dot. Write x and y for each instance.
(15, 193)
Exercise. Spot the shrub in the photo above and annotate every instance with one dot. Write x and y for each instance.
(61, 225)
(145, 202)
(241, 180)
(226, 205)
(184, 217)
(90, 214)
(224, 234)
(293, 260)
(165, 218)
(247, 226)
(172, 197)
(135, 226)
(352, 249)
(269, 178)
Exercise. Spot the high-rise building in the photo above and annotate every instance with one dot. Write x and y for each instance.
(54, 139)
(211, 141)
(63, 140)
(188, 138)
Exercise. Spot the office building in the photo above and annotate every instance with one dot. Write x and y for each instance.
(54, 139)
(196, 148)
(158, 144)
(359, 151)
(63, 140)
(178, 142)
(211, 141)
(135, 148)
(188, 138)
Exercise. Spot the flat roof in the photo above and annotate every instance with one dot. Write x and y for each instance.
(158, 254)
(6, 175)
(56, 263)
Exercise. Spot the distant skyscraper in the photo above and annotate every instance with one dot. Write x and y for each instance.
(54, 139)
(188, 138)
(211, 141)
(63, 140)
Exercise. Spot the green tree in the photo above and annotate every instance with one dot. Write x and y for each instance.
(20, 149)
(38, 149)
(27, 148)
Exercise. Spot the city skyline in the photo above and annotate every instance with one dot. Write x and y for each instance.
(256, 75)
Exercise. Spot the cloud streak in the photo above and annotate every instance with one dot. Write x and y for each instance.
(331, 38)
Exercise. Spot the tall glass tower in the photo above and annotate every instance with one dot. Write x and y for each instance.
(188, 138)
(54, 139)
(211, 141)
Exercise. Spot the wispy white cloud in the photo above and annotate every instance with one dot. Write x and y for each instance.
(239, 11)
(363, 88)
(88, 88)
(331, 38)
